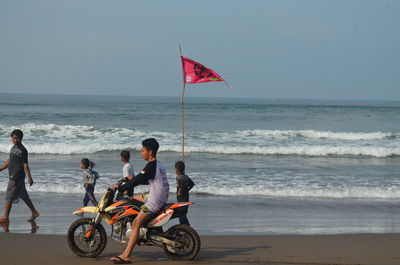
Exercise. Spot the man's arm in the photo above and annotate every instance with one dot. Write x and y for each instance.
(179, 185)
(5, 165)
(139, 179)
(179, 191)
(143, 177)
(28, 172)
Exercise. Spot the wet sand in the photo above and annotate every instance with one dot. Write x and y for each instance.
(262, 216)
(377, 249)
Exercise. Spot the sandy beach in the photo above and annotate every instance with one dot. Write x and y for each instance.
(284, 114)
(365, 249)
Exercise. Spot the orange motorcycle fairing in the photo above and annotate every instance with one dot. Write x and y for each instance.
(87, 209)
(122, 214)
(114, 205)
(161, 219)
(179, 204)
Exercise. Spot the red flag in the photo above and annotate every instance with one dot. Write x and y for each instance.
(194, 72)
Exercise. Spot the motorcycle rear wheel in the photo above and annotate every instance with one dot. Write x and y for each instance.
(189, 239)
(81, 246)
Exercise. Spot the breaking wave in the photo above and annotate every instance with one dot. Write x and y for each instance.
(392, 192)
(81, 139)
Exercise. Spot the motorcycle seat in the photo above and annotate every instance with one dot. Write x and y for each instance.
(166, 206)
(133, 202)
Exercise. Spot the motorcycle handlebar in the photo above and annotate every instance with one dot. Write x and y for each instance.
(119, 183)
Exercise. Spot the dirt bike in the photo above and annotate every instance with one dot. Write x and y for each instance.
(87, 236)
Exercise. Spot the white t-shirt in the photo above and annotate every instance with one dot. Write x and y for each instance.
(127, 170)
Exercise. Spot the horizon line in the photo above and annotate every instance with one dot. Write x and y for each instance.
(205, 97)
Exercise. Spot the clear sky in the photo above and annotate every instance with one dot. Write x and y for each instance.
(340, 49)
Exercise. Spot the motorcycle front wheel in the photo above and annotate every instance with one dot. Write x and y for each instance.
(186, 236)
(86, 247)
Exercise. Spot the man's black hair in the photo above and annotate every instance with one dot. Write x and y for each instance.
(125, 155)
(18, 133)
(151, 144)
(180, 165)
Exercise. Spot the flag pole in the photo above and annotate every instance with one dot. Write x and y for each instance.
(183, 122)
(182, 111)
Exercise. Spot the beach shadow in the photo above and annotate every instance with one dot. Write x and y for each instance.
(224, 252)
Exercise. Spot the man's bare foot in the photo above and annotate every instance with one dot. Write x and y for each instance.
(33, 217)
(120, 260)
(5, 227)
(34, 227)
(4, 220)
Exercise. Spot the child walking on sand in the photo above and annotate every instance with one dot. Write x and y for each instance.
(183, 185)
(89, 181)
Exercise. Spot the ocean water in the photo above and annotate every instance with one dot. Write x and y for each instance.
(262, 154)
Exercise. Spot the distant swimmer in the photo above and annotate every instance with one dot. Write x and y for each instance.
(18, 168)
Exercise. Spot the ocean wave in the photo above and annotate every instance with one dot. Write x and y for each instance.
(304, 150)
(350, 136)
(301, 150)
(69, 149)
(33, 130)
(66, 188)
(81, 139)
(392, 192)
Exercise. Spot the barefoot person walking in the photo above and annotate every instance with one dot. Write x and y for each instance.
(18, 168)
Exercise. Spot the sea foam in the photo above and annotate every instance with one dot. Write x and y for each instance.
(391, 192)
(81, 139)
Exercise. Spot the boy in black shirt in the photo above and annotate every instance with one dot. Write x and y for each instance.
(183, 185)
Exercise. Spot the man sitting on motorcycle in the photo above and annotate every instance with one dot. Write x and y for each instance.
(155, 175)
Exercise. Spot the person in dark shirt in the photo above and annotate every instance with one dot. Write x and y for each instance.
(183, 185)
(18, 168)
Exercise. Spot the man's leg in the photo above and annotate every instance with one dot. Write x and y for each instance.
(92, 198)
(90, 194)
(137, 223)
(183, 218)
(11, 196)
(86, 199)
(7, 210)
(25, 197)
(35, 214)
